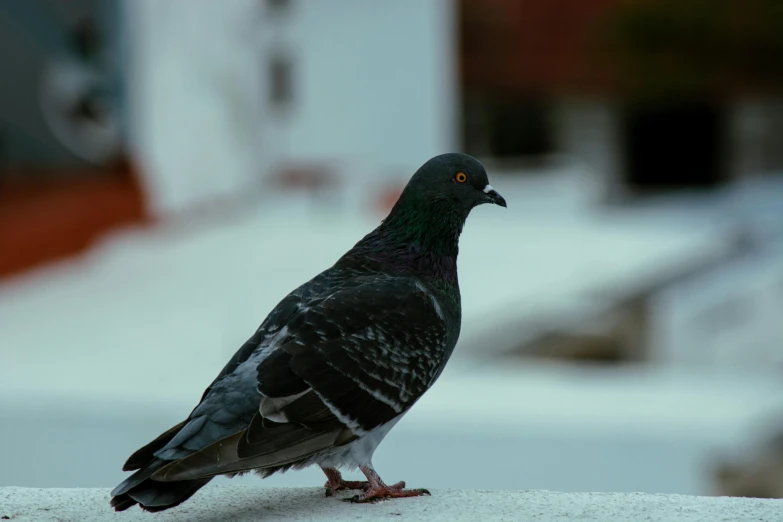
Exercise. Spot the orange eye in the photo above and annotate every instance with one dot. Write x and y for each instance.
(460, 177)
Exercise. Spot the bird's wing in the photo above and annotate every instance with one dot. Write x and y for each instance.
(346, 364)
(228, 403)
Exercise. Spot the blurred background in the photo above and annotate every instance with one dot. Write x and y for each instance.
(170, 169)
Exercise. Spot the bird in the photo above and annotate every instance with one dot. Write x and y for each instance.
(337, 363)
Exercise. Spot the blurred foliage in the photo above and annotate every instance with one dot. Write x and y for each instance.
(719, 47)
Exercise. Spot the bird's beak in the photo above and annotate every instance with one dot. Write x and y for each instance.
(494, 197)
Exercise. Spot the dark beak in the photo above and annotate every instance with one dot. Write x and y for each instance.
(494, 197)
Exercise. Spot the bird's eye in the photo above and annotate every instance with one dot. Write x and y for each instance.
(460, 177)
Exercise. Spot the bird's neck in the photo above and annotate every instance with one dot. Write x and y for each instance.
(417, 236)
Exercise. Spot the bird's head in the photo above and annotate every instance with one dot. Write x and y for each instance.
(432, 209)
(455, 178)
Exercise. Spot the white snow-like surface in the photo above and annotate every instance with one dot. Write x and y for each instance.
(237, 503)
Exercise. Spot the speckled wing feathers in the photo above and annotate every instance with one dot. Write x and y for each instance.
(383, 356)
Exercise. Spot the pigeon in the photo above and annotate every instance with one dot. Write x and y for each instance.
(337, 362)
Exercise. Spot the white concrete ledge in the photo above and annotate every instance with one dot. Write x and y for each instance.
(246, 503)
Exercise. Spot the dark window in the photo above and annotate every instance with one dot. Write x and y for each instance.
(508, 128)
(673, 144)
(281, 81)
(520, 128)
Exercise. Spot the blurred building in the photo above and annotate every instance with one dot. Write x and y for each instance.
(116, 113)
(64, 171)
(159, 109)
(345, 89)
(651, 95)
(122, 112)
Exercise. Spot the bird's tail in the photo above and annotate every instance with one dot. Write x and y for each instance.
(152, 495)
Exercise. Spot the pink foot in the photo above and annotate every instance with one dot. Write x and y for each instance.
(335, 482)
(377, 490)
(384, 492)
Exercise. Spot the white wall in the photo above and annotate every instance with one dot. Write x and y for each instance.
(375, 82)
(193, 98)
(587, 130)
(374, 85)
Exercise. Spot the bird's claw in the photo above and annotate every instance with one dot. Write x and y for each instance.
(382, 493)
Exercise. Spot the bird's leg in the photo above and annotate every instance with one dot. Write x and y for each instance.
(378, 490)
(335, 482)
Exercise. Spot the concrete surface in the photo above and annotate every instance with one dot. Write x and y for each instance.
(240, 503)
